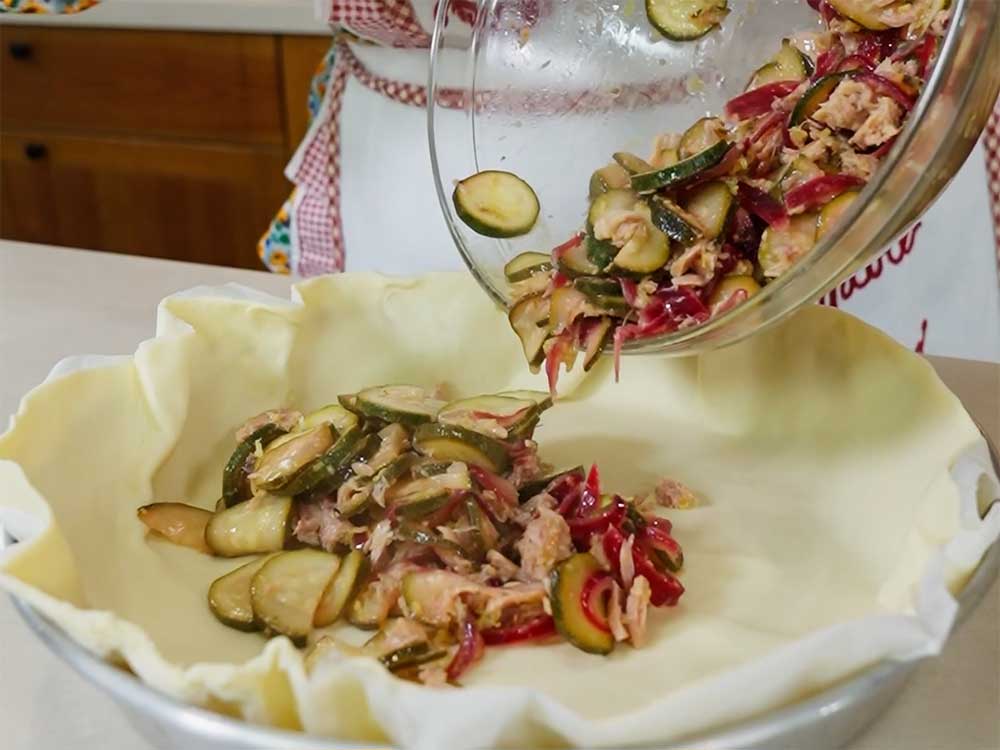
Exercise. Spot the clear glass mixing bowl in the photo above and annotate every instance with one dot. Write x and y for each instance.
(548, 89)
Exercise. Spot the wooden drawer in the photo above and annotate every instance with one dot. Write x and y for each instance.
(194, 202)
(194, 85)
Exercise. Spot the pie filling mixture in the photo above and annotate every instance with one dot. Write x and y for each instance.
(433, 523)
(715, 213)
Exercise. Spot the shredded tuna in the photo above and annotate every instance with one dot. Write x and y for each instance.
(626, 564)
(512, 595)
(615, 614)
(858, 165)
(530, 508)
(546, 541)
(621, 226)
(380, 539)
(525, 465)
(883, 123)
(504, 568)
(848, 106)
(673, 494)
(699, 258)
(286, 419)
(402, 632)
(636, 609)
(319, 525)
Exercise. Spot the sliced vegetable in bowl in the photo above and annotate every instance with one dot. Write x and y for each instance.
(721, 210)
(434, 524)
(496, 204)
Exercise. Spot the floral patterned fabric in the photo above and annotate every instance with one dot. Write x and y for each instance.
(45, 6)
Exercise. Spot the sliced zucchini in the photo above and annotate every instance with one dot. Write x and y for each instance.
(496, 416)
(450, 443)
(416, 498)
(496, 204)
(178, 523)
(597, 286)
(602, 296)
(426, 468)
(704, 134)
(350, 402)
(730, 284)
(372, 604)
(430, 595)
(325, 471)
(283, 461)
(542, 398)
(596, 340)
(685, 20)
(261, 524)
(333, 414)
(229, 596)
(814, 97)
(793, 63)
(522, 267)
(711, 205)
(576, 262)
(413, 655)
(670, 219)
(780, 248)
(649, 182)
(799, 170)
(647, 251)
(569, 581)
(286, 591)
(405, 404)
(530, 320)
(599, 252)
(235, 477)
(631, 163)
(338, 594)
(529, 489)
(566, 304)
(602, 252)
(609, 177)
(769, 73)
(830, 213)
(863, 12)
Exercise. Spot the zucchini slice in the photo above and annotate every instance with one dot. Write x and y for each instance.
(430, 594)
(178, 523)
(793, 64)
(685, 20)
(283, 460)
(649, 182)
(350, 402)
(496, 416)
(229, 596)
(672, 221)
(235, 481)
(450, 443)
(333, 414)
(541, 398)
(602, 252)
(603, 294)
(522, 267)
(596, 340)
(261, 524)
(530, 320)
(863, 12)
(647, 251)
(576, 262)
(529, 489)
(413, 655)
(286, 591)
(416, 498)
(814, 97)
(731, 284)
(608, 177)
(631, 163)
(769, 73)
(711, 205)
(704, 134)
(325, 471)
(496, 204)
(830, 213)
(405, 404)
(338, 594)
(780, 248)
(372, 604)
(568, 584)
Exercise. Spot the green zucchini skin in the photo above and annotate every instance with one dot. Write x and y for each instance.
(671, 223)
(815, 95)
(495, 203)
(453, 443)
(682, 171)
(685, 20)
(323, 472)
(567, 585)
(235, 478)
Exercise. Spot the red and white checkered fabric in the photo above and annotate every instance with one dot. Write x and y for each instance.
(991, 142)
(392, 23)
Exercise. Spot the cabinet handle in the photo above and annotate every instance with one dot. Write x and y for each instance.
(35, 151)
(21, 50)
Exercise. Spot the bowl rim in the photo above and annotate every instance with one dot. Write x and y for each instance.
(839, 698)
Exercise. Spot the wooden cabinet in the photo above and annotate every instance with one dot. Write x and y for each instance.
(165, 144)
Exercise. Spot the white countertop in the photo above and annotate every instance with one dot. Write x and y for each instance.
(56, 302)
(252, 16)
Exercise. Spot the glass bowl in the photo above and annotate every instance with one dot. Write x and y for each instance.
(548, 89)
